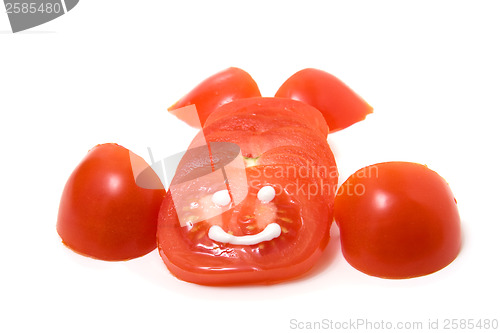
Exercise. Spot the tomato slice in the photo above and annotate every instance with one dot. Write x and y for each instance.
(103, 213)
(302, 205)
(338, 103)
(219, 89)
(397, 220)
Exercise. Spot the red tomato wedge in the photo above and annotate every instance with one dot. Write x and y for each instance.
(219, 89)
(103, 213)
(397, 220)
(338, 103)
(283, 145)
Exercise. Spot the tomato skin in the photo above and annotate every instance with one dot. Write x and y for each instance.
(338, 103)
(219, 89)
(286, 141)
(397, 220)
(103, 213)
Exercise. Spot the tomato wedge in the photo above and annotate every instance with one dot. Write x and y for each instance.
(340, 105)
(221, 88)
(291, 192)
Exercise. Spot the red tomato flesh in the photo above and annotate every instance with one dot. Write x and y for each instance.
(304, 180)
(397, 220)
(103, 213)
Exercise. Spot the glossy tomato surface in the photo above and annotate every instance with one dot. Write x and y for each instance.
(397, 220)
(221, 88)
(338, 103)
(283, 145)
(103, 213)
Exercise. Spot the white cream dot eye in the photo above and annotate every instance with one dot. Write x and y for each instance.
(221, 198)
(266, 194)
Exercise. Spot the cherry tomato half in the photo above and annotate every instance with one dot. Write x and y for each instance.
(221, 88)
(103, 213)
(340, 105)
(397, 220)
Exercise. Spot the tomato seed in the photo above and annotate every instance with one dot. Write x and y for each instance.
(286, 219)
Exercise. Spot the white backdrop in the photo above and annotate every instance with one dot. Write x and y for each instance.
(108, 70)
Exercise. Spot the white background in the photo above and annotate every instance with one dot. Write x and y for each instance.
(108, 70)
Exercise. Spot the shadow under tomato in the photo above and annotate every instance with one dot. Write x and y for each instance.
(329, 254)
(151, 268)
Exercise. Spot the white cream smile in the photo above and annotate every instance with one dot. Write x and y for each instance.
(217, 234)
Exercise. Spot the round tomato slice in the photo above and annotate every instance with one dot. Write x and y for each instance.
(219, 89)
(103, 213)
(338, 103)
(397, 220)
(286, 193)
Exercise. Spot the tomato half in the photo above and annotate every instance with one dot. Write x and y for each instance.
(338, 103)
(221, 88)
(281, 150)
(397, 220)
(103, 213)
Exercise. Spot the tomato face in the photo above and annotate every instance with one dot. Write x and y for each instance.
(279, 228)
(397, 220)
(340, 105)
(219, 89)
(103, 213)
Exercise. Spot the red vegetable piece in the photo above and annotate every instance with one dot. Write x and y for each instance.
(397, 220)
(103, 213)
(338, 103)
(219, 89)
(283, 143)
